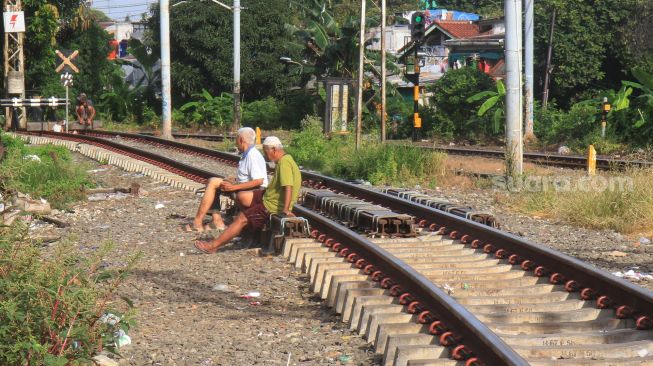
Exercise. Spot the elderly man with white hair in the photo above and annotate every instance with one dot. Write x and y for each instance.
(252, 175)
(278, 198)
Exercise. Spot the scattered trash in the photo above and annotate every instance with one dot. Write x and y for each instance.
(32, 158)
(251, 295)
(564, 150)
(159, 206)
(289, 354)
(465, 286)
(2, 207)
(181, 254)
(631, 274)
(344, 358)
(122, 339)
(616, 253)
(255, 303)
(221, 287)
(448, 288)
(97, 170)
(642, 240)
(110, 319)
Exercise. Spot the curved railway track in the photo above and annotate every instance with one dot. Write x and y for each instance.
(429, 287)
(547, 159)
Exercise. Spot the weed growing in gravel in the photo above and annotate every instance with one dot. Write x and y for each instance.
(52, 308)
(43, 171)
(626, 209)
(376, 163)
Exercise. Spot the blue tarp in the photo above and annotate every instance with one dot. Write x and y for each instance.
(457, 15)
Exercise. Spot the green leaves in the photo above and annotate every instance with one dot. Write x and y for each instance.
(487, 105)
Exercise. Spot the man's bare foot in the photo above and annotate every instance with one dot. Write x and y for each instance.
(206, 247)
(192, 229)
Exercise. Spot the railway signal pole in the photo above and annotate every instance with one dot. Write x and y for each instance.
(14, 65)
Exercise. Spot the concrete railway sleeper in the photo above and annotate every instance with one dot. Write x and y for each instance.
(543, 323)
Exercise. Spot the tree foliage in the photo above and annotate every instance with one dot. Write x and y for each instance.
(202, 48)
(595, 44)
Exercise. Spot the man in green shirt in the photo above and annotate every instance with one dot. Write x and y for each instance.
(279, 197)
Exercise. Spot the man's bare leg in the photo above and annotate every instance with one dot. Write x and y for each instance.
(244, 199)
(205, 204)
(233, 230)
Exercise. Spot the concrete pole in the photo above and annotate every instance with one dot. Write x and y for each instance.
(383, 71)
(529, 25)
(359, 94)
(514, 142)
(236, 123)
(165, 70)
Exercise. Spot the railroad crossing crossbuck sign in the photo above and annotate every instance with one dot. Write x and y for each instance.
(68, 64)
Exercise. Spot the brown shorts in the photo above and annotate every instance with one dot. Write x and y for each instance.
(257, 215)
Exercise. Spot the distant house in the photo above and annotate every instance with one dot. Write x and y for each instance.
(454, 39)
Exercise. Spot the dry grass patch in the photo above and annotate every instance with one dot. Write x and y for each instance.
(625, 205)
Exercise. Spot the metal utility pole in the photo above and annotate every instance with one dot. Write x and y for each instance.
(359, 94)
(14, 68)
(236, 9)
(547, 75)
(529, 25)
(165, 70)
(514, 142)
(383, 71)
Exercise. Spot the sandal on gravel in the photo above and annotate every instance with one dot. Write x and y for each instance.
(189, 228)
(204, 247)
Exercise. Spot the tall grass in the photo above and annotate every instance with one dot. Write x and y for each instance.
(51, 307)
(42, 171)
(376, 163)
(627, 210)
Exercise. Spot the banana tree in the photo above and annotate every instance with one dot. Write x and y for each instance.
(492, 99)
(645, 86)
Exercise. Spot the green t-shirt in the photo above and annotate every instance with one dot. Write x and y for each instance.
(286, 173)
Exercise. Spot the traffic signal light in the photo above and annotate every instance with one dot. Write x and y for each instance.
(418, 26)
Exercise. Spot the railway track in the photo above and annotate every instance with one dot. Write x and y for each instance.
(429, 287)
(546, 159)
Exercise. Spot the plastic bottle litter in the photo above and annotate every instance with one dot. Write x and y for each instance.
(564, 150)
(221, 287)
(122, 339)
(159, 206)
(644, 241)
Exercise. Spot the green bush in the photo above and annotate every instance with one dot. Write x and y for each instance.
(453, 116)
(309, 145)
(264, 113)
(376, 163)
(51, 308)
(52, 175)
(208, 110)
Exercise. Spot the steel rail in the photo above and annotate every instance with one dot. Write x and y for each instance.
(608, 290)
(619, 291)
(564, 161)
(530, 255)
(484, 343)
